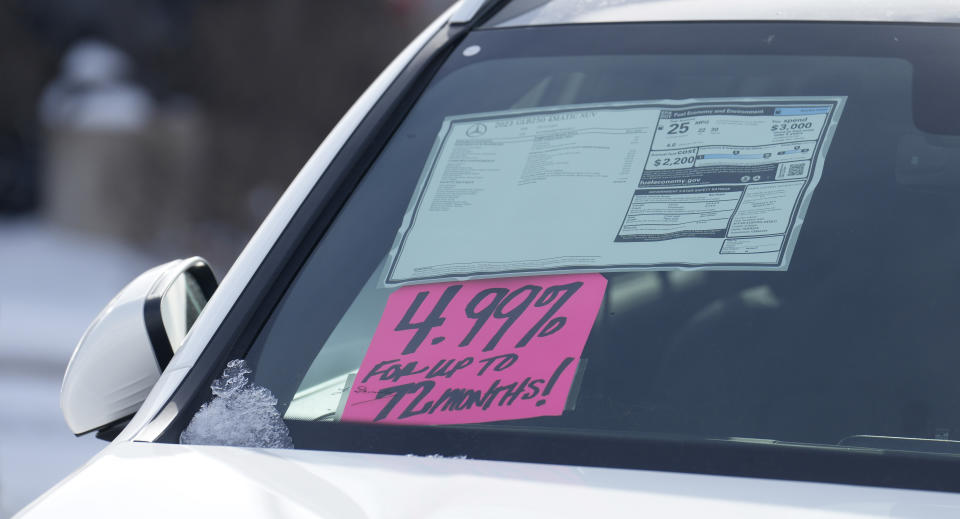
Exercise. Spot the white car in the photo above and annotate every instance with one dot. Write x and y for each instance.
(573, 258)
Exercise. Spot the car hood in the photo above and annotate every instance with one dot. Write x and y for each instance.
(156, 480)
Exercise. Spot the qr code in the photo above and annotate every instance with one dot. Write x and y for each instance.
(795, 170)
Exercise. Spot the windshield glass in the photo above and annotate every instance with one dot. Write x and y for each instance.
(746, 233)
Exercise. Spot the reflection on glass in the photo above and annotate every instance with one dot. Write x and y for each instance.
(179, 308)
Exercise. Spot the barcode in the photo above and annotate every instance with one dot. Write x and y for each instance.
(795, 170)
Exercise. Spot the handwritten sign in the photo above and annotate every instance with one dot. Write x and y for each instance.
(476, 351)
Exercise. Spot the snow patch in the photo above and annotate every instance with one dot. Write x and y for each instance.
(439, 457)
(241, 414)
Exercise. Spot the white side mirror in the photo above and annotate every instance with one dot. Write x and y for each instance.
(122, 353)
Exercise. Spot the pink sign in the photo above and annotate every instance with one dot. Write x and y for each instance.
(476, 351)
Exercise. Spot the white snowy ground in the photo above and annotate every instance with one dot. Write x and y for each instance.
(53, 282)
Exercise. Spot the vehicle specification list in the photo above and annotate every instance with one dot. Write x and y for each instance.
(709, 184)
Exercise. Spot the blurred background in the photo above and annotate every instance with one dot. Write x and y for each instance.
(132, 133)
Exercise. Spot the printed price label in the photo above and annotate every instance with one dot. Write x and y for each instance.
(615, 187)
(476, 351)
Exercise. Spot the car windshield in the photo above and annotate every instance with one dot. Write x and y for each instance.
(733, 231)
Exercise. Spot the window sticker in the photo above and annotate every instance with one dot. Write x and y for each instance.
(476, 351)
(720, 184)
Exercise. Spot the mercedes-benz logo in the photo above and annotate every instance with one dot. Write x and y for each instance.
(476, 130)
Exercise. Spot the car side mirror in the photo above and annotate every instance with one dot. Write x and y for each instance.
(122, 353)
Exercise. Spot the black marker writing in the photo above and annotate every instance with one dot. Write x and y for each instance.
(503, 362)
(496, 303)
(392, 370)
(455, 399)
(433, 320)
